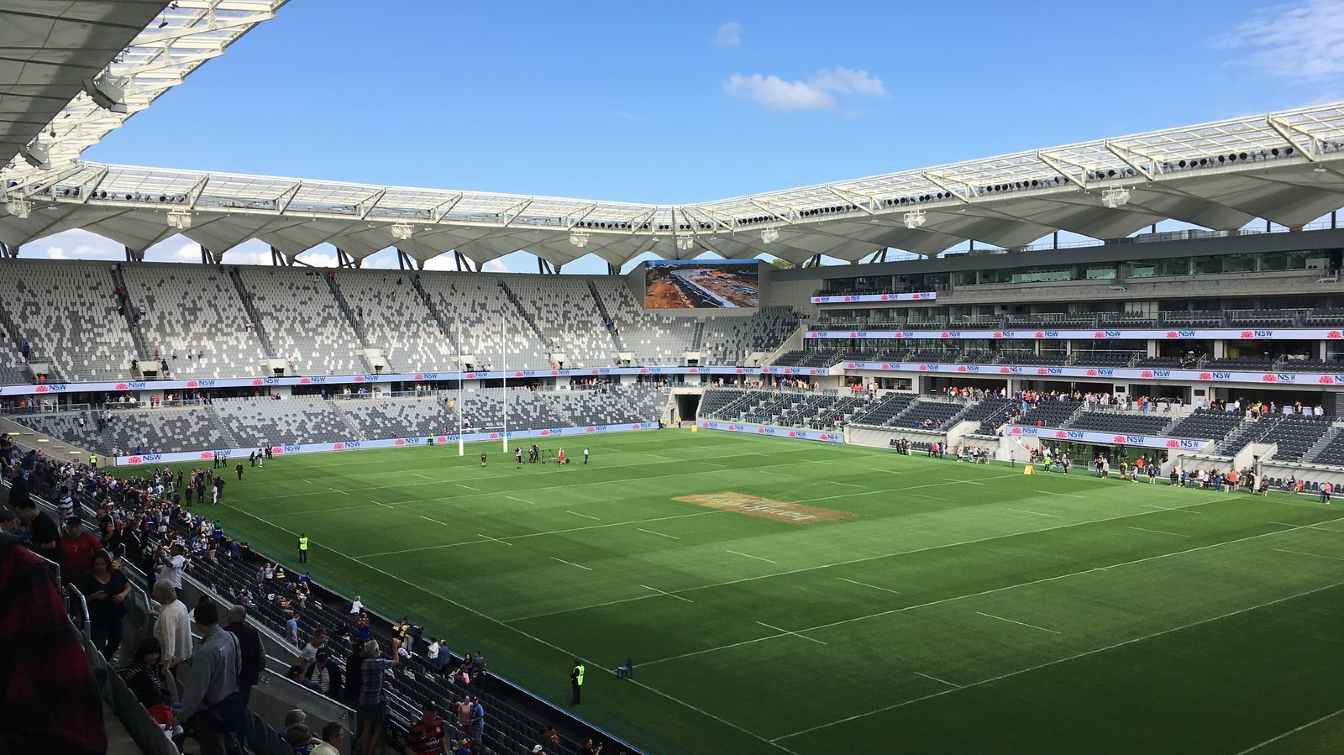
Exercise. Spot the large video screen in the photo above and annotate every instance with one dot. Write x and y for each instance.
(681, 284)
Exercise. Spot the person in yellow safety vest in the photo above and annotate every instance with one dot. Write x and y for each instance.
(303, 547)
(93, 460)
(576, 683)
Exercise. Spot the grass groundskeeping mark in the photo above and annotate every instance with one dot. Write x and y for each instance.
(970, 609)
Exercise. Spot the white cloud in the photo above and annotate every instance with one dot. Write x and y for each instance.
(442, 262)
(1302, 41)
(841, 80)
(818, 92)
(74, 245)
(494, 266)
(728, 35)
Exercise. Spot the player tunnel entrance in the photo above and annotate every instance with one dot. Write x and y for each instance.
(687, 406)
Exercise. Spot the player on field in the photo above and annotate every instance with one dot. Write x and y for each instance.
(518, 455)
(482, 458)
(585, 457)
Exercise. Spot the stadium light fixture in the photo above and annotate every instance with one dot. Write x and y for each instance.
(914, 219)
(36, 154)
(1114, 198)
(402, 231)
(685, 243)
(107, 92)
(19, 207)
(578, 239)
(769, 234)
(179, 219)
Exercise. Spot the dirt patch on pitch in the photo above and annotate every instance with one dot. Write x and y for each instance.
(765, 508)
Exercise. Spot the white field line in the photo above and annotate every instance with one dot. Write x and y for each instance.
(667, 594)
(379, 503)
(431, 519)
(1159, 532)
(468, 487)
(793, 634)
(520, 500)
(528, 635)
(1291, 732)
(1034, 513)
(585, 516)
(338, 490)
(1313, 555)
(861, 559)
(1019, 623)
(865, 584)
(543, 533)
(899, 490)
(1065, 659)
(1066, 495)
(495, 540)
(936, 679)
(748, 555)
(659, 534)
(981, 593)
(571, 563)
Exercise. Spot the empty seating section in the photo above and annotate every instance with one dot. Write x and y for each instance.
(1101, 358)
(194, 320)
(243, 423)
(303, 320)
(990, 413)
(487, 320)
(1295, 435)
(654, 338)
(1116, 422)
(1050, 412)
(817, 411)
(729, 340)
(1240, 363)
(883, 410)
(298, 419)
(927, 415)
(563, 309)
(1206, 423)
(68, 312)
(396, 321)
(1332, 453)
(377, 417)
(13, 371)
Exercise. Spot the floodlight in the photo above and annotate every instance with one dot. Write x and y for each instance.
(685, 243)
(1116, 197)
(108, 92)
(769, 234)
(36, 154)
(402, 231)
(179, 219)
(578, 239)
(914, 219)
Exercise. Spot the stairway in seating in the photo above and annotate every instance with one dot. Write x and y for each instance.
(349, 313)
(518, 304)
(606, 318)
(142, 351)
(224, 430)
(1321, 444)
(447, 332)
(257, 327)
(355, 432)
(698, 336)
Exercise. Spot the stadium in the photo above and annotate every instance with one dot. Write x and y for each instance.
(1029, 452)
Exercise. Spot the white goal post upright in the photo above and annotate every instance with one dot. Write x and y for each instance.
(461, 440)
(504, 350)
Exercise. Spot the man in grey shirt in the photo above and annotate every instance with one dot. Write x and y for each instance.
(211, 706)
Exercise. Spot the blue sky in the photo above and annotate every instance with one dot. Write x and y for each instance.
(667, 102)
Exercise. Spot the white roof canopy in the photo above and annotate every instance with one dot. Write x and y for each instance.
(1287, 167)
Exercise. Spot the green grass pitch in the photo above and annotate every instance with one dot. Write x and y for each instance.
(958, 608)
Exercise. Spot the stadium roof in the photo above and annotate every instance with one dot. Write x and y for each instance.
(1287, 167)
(55, 55)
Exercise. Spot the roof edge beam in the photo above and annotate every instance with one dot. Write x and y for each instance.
(1060, 166)
(1135, 160)
(1291, 134)
(949, 185)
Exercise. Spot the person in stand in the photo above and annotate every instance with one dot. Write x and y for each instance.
(211, 704)
(576, 682)
(426, 737)
(370, 698)
(50, 703)
(105, 589)
(250, 650)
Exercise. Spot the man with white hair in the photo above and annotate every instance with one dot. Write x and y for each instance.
(173, 629)
(370, 698)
